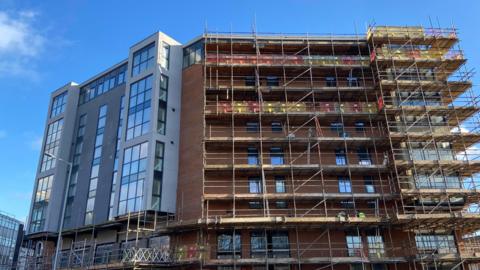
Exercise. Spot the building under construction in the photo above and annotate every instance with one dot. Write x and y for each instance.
(294, 152)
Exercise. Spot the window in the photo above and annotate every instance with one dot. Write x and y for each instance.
(352, 82)
(276, 156)
(103, 254)
(360, 126)
(40, 203)
(364, 157)
(376, 247)
(250, 81)
(281, 204)
(165, 56)
(252, 127)
(280, 184)
(438, 243)
(193, 54)
(331, 81)
(344, 184)
(158, 176)
(133, 176)
(346, 204)
(254, 185)
(52, 143)
(252, 156)
(255, 205)
(354, 245)
(94, 172)
(138, 122)
(369, 186)
(228, 245)
(277, 127)
(273, 81)
(163, 88)
(273, 244)
(337, 127)
(143, 59)
(58, 105)
(340, 157)
(103, 84)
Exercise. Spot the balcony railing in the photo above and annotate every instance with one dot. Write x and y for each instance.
(254, 107)
(417, 54)
(302, 185)
(240, 82)
(411, 32)
(295, 132)
(306, 158)
(292, 60)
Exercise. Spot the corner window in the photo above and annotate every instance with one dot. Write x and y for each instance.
(143, 59)
(158, 176)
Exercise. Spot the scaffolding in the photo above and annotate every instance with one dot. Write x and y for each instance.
(322, 150)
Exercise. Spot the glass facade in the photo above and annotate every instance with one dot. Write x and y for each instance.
(143, 59)
(139, 108)
(133, 176)
(103, 84)
(58, 104)
(40, 203)
(94, 172)
(52, 142)
(8, 239)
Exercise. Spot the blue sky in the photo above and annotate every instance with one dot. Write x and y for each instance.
(45, 44)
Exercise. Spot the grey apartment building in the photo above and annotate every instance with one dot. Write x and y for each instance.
(265, 151)
(11, 237)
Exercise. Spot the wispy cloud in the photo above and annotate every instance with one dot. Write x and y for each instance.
(21, 41)
(35, 143)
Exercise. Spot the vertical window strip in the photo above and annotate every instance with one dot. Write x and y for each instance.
(133, 177)
(94, 172)
(139, 108)
(52, 142)
(162, 105)
(143, 59)
(158, 175)
(58, 104)
(115, 163)
(40, 203)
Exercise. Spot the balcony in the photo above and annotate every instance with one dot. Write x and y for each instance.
(290, 108)
(302, 188)
(464, 162)
(297, 160)
(444, 59)
(297, 84)
(358, 134)
(287, 60)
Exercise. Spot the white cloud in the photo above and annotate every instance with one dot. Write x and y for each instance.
(20, 42)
